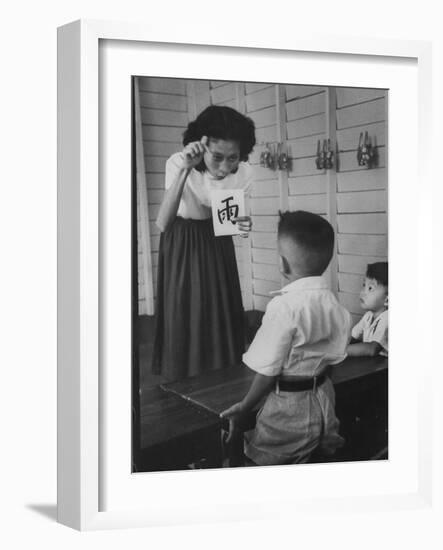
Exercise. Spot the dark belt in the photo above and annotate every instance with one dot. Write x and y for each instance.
(299, 385)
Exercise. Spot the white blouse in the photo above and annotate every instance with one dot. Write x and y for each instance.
(195, 201)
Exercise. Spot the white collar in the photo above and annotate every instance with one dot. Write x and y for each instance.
(305, 283)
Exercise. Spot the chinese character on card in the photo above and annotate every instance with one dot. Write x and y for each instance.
(227, 204)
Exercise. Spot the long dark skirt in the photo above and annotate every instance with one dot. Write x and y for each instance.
(199, 311)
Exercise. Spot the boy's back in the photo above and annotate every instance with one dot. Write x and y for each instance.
(303, 330)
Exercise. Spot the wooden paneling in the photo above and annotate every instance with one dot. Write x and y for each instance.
(301, 108)
(155, 165)
(251, 87)
(268, 188)
(153, 211)
(294, 91)
(351, 302)
(163, 85)
(264, 223)
(264, 117)
(376, 224)
(229, 103)
(307, 185)
(304, 167)
(161, 117)
(363, 245)
(163, 133)
(351, 96)
(161, 101)
(304, 147)
(268, 134)
(309, 126)
(310, 203)
(218, 83)
(358, 115)
(265, 256)
(348, 282)
(264, 240)
(155, 181)
(153, 228)
(366, 180)
(266, 272)
(156, 196)
(364, 201)
(260, 100)
(361, 198)
(262, 174)
(161, 148)
(267, 206)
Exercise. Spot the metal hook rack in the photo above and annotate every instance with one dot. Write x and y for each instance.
(275, 157)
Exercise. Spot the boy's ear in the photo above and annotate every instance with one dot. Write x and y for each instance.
(285, 269)
(386, 304)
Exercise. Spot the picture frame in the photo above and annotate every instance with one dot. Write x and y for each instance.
(87, 318)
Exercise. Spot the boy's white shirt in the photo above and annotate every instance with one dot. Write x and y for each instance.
(304, 329)
(369, 329)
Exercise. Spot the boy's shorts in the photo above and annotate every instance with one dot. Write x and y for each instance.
(291, 425)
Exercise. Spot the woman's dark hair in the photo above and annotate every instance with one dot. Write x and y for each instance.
(313, 234)
(221, 122)
(379, 272)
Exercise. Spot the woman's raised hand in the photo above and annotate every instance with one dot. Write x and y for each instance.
(193, 153)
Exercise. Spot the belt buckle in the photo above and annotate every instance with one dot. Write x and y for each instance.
(277, 387)
(314, 386)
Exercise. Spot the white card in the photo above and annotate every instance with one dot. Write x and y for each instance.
(227, 204)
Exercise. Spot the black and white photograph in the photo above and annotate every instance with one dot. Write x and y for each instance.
(260, 274)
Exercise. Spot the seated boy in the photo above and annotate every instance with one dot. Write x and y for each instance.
(304, 330)
(371, 331)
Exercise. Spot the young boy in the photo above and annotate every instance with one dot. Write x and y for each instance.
(371, 331)
(304, 330)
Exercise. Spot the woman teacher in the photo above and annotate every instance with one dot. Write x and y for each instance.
(199, 319)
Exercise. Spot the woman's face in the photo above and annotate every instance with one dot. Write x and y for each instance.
(223, 157)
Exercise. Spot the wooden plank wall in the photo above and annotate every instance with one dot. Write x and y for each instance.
(300, 116)
(164, 107)
(361, 192)
(265, 202)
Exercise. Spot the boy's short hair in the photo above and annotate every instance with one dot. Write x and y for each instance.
(313, 234)
(379, 272)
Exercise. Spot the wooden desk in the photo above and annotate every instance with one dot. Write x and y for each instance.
(174, 433)
(216, 391)
(361, 399)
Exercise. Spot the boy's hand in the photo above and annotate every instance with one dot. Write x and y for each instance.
(233, 414)
(244, 224)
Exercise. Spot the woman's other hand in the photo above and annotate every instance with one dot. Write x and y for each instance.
(244, 224)
(193, 153)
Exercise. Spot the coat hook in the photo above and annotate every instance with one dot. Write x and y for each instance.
(266, 158)
(366, 152)
(282, 158)
(320, 158)
(325, 155)
(329, 155)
